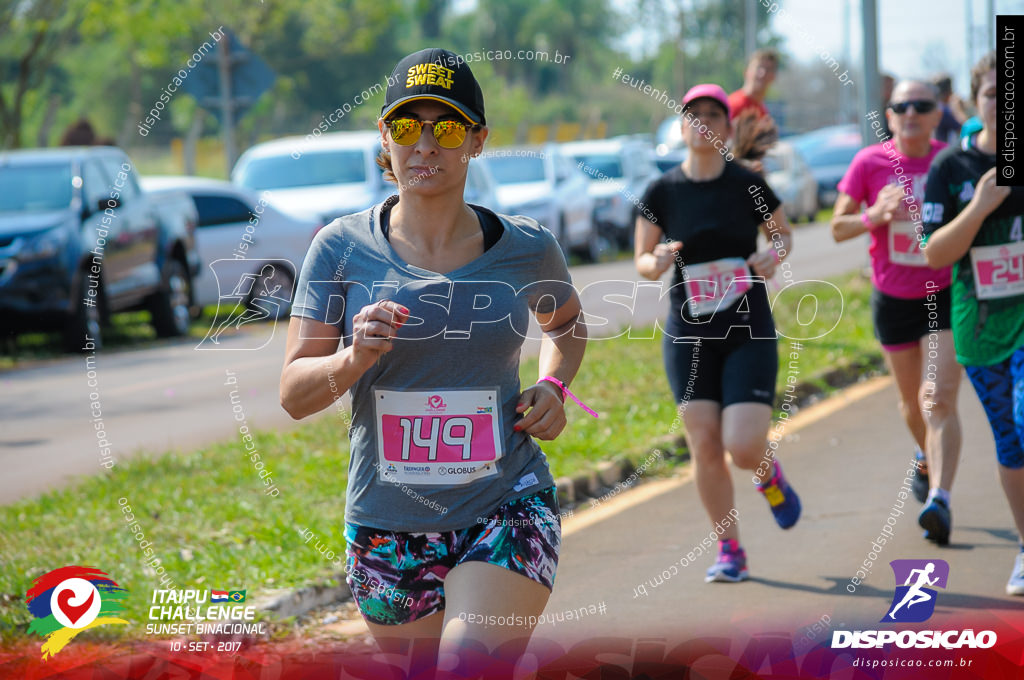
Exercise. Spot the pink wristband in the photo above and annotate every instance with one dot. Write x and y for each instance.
(565, 391)
(867, 220)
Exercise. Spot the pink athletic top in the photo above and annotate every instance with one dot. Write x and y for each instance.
(897, 264)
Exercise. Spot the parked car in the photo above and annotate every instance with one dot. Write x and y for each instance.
(80, 240)
(828, 152)
(333, 175)
(669, 136)
(481, 187)
(674, 158)
(791, 180)
(542, 183)
(619, 170)
(326, 177)
(240, 227)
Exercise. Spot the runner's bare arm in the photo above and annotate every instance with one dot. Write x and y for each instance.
(846, 220)
(952, 240)
(651, 256)
(561, 353)
(764, 262)
(312, 360)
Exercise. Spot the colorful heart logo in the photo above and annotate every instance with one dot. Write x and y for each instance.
(55, 617)
(73, 612)
(436, 401)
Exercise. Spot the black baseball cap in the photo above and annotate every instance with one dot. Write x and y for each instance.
(435, 74)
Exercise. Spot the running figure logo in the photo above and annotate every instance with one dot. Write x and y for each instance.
(914, 601)
(262, 294)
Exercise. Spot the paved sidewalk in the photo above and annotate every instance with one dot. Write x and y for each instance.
(848, 467)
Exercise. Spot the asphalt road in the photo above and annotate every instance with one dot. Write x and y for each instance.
(847, 458)
(174, 397)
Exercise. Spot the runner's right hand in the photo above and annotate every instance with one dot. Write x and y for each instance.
(885, 205)
(372, 330)
(987, 194)
(665, 255)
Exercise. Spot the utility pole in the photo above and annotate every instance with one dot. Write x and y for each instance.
(969, 24)
(870, 93)
(226, 84)
(844, 92)
(990, 26)
(227, 104)
(750, 32)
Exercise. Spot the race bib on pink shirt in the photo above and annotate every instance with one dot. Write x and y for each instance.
(904, 245)
(440, 437)
(998, 270)
(715, 285)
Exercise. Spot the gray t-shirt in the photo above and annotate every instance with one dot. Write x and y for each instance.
(432, 443)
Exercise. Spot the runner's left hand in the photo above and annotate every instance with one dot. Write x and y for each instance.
(546, 417)
(763, 263)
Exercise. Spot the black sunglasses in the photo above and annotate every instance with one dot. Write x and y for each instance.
(920, 105)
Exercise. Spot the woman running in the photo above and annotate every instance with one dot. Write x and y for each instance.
(910, 301)
(975, 225)
(451, 518)
(702, 220)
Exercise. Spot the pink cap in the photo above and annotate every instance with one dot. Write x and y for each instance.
(708, 90)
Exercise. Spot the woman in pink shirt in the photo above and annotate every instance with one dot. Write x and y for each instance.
(911, 303)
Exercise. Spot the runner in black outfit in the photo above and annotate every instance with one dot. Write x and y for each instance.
(702, 220)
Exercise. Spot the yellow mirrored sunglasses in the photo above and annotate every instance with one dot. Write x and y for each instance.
(450, 134)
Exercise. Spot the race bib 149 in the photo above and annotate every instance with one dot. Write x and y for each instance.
(437, 437)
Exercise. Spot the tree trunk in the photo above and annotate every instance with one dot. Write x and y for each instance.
(679, 59)
(43, 138)
(133, 114)
(430, 20)
(195, 131)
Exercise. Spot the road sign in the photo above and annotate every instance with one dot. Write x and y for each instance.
(227, 82)
(250, 77)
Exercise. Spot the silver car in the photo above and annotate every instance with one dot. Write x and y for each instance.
(334, 174)
(792, 181)
(619, 170)
(239, 233)
(543, 183)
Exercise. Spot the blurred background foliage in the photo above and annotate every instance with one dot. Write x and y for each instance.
(109, 61)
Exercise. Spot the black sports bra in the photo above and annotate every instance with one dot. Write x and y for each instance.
(489, 224)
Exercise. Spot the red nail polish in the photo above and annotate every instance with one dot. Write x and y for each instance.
(517, 428)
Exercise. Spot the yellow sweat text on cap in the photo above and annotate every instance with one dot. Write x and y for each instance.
(429, 74)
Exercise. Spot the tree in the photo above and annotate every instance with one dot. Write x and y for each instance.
(146, 41)
(431, 15)
(36, 34)
(714, 36)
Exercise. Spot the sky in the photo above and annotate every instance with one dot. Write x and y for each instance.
(915, 37)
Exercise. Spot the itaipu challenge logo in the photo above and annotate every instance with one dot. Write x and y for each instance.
(71, 599)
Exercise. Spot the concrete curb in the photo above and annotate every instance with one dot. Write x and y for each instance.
(284, 603)
(594, 483)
